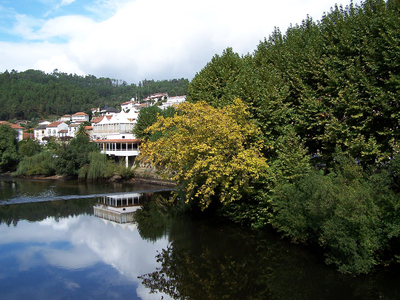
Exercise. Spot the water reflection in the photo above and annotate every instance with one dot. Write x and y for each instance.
(206, 261)
(72, 256)
(88, 248)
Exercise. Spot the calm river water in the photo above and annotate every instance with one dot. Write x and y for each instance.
(71, 240)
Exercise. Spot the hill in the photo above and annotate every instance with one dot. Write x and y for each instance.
(35, 94)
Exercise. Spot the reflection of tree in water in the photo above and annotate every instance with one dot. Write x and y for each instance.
(38, 211)
(154, 218)
(206, 261)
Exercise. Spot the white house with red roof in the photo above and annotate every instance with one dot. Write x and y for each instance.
(129, 105)
(156, 97)
(56, 129)
(80, 117)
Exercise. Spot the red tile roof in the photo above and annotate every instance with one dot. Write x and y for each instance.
(14, 126)
(97, 119)
(80, 114)
(54, 124)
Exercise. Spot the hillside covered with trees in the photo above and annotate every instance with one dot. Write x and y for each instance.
(34, 94)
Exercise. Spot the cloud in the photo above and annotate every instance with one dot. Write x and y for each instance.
(155, 39)
(66, 2)
(79, 243)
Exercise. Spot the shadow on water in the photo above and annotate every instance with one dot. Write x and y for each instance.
(205, 260)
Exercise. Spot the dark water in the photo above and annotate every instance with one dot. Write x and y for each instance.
(52, 246)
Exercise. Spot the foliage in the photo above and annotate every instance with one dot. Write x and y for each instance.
(292, 161)
(147, 117)
(213, 84)
(8, 148)
(336, 81)
(351, 215)
(211, 153)
(99, 167)
(74, 155)
(43, 163)
(28, 148)
(82, 131)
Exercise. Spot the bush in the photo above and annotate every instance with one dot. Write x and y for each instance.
(99, 167)
(39, 164)
(28, 148)
(350, 213)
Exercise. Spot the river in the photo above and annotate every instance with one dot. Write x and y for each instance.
(62, 240)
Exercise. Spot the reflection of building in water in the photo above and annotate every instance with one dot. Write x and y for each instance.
(119, 209)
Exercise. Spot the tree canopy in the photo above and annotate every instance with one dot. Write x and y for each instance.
(337, 81)
(213, 154)
(8, 148)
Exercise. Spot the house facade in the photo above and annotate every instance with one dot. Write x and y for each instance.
(56, 129)
(80, 117)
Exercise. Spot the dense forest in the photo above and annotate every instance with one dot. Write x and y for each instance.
(34, 94)
(301, 136)
(337, 81)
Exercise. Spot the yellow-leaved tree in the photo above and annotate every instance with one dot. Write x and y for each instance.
(212, 154)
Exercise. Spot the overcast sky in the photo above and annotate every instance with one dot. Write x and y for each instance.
(134, 40)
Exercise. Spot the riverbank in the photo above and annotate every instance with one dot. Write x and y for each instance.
(139, 177)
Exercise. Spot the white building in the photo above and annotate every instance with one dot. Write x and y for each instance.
(117, 126)
(56, 129)
(172, 101)
(130, 105)
(80, 117)
(113, 134)
(66, 118)
(72, 129)
(155, 97)
(40, 132)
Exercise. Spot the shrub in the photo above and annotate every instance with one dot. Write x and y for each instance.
(40, 164)
(350, 213)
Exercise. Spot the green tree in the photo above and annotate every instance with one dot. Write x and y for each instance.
(8, 148)
(213, 154)
(214, 84)
(28, 148)
(42, 163)
(349, 213)
(147, 117)
(74, 155)
(82, 131)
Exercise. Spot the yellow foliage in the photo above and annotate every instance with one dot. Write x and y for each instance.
(209, 152)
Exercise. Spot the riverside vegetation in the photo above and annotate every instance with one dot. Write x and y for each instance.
(301, 136)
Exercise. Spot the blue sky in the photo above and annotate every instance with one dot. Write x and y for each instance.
(134, 40)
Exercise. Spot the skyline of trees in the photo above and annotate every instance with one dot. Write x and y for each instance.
(34, 94)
